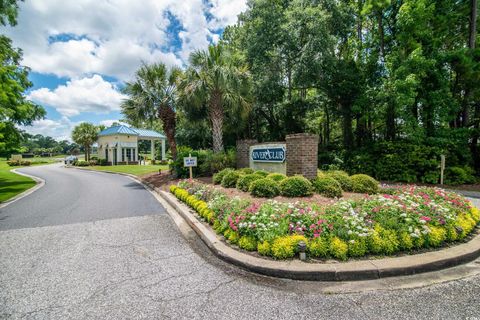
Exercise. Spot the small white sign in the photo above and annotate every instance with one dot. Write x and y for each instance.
(190, 161)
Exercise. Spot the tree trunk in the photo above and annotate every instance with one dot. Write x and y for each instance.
(169, 122)
(85, 146)
(390, 121)
(216, 116)
(381, 35)
(347, 126)
(473, 24)
(327, 126)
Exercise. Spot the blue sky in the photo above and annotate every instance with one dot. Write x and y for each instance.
(82, 52)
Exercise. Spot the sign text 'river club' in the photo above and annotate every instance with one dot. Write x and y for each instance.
(268, 154)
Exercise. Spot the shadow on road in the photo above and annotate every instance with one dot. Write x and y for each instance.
(133, 185)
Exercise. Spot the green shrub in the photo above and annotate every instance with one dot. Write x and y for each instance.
(230, 179)
(246, 170)
(296, 186)
(327, 186)
(92, 162)
(262, 173)
(81, 163)
(458, 175)
(452, 234)
(211, 162)
(276, 176)
(264, 248)
(318, 247)
(233, 237)
(102, 162)
(25, 163)
(363, 183)
(265, 188)
(217, 177)
(436, 237)
(208, 162)
(247, 243)
(400, 161)
(338, 248)
(287, 246)
(383, 241)
(357, 247)
(405, 241)
(243, 183)
(342, 178)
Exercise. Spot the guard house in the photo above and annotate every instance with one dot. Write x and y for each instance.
(119, 144)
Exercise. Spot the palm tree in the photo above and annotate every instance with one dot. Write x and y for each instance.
(217, 81)
(153, 96)
(85, 134)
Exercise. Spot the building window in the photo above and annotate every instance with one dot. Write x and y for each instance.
(129, 154)
(123, 154)
(133, 154)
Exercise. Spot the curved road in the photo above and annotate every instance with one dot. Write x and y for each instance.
(71, 196)
(97, 246)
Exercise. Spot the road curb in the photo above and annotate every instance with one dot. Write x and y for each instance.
(344, 271)
(39, 183)
(298, 270)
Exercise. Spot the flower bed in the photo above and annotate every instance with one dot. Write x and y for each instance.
(410, 218)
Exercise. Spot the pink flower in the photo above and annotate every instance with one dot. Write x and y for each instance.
(424, 218)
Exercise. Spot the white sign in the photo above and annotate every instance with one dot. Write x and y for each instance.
(190, 161)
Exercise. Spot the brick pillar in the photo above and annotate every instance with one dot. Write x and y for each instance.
(243, 152)
(302, 154)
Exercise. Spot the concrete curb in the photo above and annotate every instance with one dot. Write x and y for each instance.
(297, 270)
(39, 183)
(354, 270)
(113, 172)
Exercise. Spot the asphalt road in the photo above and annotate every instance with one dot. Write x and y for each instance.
(140, 267)
(72, 196)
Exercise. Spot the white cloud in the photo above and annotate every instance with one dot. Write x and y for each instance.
(113, 37)
(90, 94)
(110, 38)
(59, 129)
(226, 11)
(109, 122)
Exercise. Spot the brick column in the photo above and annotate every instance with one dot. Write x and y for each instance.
(302, 154)
(243, 152)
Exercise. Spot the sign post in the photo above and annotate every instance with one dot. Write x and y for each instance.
(442, 167)
(190, 162)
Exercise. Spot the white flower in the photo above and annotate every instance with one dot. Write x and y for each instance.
(352, 241)
(350, 232)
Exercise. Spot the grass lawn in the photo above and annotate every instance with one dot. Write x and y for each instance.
(136, 170)
(12, 184)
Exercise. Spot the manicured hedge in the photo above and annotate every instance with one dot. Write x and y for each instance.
(363, 183)
(230, 179)
(265, 188)
(327, 186)
(276, 176)
(296, 186)
(244, 181)
(217, 177)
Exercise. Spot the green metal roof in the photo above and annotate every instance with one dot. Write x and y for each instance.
(124, 130)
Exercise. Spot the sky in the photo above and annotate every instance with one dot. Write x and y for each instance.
(81, 52)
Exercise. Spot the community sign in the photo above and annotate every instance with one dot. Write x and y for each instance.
(276, 154)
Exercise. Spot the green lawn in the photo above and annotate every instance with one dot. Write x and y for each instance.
(45, 160)
(136, 170)
(12, 184)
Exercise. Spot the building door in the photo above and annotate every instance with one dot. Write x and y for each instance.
(114, 156)
(106, 154)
